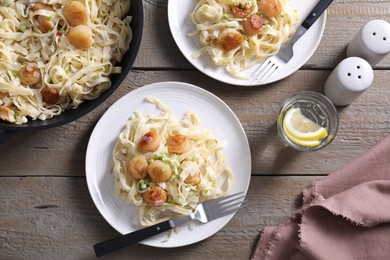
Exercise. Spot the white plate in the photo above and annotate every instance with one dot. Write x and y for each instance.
(213, 113)
(181, 24)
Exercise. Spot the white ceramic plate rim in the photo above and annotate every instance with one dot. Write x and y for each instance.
(180, 25)
(104, 136)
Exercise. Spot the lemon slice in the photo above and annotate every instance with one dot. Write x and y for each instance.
(301, 130)
(303, 142)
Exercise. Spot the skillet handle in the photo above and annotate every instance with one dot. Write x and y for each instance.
(5, 135)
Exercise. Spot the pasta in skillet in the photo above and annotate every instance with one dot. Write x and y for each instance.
(238, 34)
(166, 167)
(54, 54)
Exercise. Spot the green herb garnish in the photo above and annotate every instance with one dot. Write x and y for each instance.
(22, 28)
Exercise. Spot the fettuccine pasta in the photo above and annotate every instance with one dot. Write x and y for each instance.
(54, 54)
(166, 167)
(238, 34)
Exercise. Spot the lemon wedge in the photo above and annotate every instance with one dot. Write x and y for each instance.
(303, 142)
(301, 130)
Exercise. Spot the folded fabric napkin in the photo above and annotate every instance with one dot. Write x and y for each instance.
(344, 216)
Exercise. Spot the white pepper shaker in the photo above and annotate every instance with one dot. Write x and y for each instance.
(348, 80)
(372, 42)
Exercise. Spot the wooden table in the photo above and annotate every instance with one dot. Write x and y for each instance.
(46, 211)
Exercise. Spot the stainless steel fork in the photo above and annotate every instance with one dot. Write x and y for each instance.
(272, 65)
(204, 213)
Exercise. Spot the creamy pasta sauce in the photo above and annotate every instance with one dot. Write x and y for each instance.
(238, 34)
(166, 167)
(56, 54)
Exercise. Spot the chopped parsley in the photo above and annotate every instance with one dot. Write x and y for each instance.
(22, 28)
(143, 185)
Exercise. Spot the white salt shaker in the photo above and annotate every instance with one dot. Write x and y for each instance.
(372, 42)
(348, 80)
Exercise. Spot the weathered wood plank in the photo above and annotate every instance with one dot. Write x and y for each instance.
(344, 20)
(61, 151)
(54, 218)
(50, 215)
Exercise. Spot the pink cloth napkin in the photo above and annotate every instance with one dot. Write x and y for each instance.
(344, 216)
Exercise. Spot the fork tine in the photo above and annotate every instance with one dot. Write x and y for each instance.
(263, 69)
(219, 207)
(228, 212)
(226, 207)
(231, 205)
(218, 200)
(230, 200)
(270, 77)
(269, 74)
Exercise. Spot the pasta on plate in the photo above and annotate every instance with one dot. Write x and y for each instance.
(166, 167)
(238, 34)
(54, 54)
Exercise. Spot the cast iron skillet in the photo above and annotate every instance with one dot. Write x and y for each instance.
(136, 11)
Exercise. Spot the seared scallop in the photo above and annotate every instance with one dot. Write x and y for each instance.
(155, 196)
(76, 13)
(81, 37)
(230, 39)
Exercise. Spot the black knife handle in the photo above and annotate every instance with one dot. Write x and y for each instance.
(316, 13)
(120, 242)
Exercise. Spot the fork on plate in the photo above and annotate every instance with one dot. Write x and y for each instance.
(204, 213)
(273, 64)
